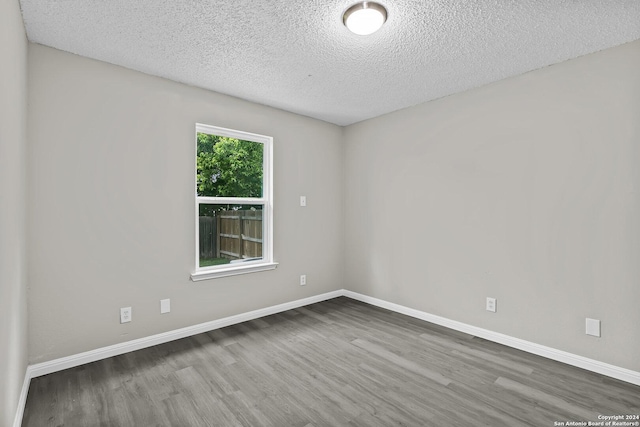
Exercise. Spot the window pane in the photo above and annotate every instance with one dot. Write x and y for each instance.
(228, 167)
(229, 234)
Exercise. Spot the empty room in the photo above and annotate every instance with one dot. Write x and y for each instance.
(319, 213)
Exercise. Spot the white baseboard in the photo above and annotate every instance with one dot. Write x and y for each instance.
(22, 401)
(56, 365)
(126, 347)
(612, 371)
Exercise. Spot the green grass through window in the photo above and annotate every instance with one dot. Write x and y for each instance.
(208, 262)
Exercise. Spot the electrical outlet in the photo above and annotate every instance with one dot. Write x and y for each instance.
(125, 314)
(491, 304)
(165, 306)
(303, 200)
(303, 279)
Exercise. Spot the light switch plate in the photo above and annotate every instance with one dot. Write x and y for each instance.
(303, 200)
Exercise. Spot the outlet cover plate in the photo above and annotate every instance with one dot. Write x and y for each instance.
(165, 306)
(593, 327)
(491, 304)
(125, 315)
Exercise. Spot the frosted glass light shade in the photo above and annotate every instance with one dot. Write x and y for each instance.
(365, 18)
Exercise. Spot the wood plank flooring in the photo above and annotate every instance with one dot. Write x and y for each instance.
(336, 363)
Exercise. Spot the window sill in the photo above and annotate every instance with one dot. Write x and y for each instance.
(232, 271)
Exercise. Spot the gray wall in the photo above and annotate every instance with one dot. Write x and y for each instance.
(111, 193)
(526, 190)
(13, 143)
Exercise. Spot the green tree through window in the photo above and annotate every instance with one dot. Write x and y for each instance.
(228, 167)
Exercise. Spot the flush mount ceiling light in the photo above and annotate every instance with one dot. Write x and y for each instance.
(365, 18)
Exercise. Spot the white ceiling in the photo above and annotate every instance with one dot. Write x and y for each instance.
(297, 55)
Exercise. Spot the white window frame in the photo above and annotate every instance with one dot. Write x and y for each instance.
(266, 263)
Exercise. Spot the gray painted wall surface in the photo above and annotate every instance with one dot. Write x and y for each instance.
(13, 149)
(112, 217)
(525, 190)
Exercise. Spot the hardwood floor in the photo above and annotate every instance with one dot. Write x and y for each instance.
(336, 363)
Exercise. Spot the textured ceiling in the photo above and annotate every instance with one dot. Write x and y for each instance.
(297, 55)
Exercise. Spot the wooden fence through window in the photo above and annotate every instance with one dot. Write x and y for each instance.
(232, 235)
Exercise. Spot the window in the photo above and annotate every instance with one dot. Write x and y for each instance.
(234, 220)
